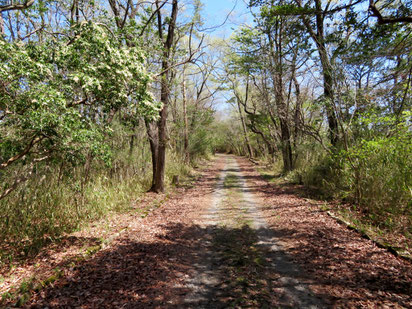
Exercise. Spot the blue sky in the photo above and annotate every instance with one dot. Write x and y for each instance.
(218, 24)
(216, 12)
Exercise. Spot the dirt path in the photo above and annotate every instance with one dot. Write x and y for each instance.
(233, 241)
(244, 266)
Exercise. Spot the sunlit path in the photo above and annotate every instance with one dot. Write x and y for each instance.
(243, 266)
(205, 154)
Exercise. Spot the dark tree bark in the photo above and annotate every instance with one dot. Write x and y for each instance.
(159, 168)
(276, 51)
(387, 20)
(185, 129)
(16, 6)
(153, 142)
(318, 36)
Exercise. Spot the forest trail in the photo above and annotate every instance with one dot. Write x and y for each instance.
(243, 265)
(233, 241)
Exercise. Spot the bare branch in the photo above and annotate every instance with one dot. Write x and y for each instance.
(22, 178)
(35, 140)
(31, 33)
(16, 6)
(151, 17)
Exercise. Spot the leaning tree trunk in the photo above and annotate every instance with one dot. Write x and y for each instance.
(327, 72)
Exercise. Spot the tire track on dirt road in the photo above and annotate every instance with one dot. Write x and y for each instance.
(242, 266)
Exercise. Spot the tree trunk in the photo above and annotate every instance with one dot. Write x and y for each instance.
(286, 146)
(153, 141)
(327, 72)
(185, 129)
(329, 97)
(242, 119)
(159, 170)
(281, 107)
(1, 26)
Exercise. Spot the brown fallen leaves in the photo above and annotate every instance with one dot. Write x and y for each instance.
(147, 265)
(352, 272)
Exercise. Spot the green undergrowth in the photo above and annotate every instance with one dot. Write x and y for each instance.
(43, 210)
(375, 203)
(122, 201)
(398, 243)
(49, 211)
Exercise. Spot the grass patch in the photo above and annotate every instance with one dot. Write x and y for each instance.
(230, 181)
(235, 243)
(60, 208)
(38, 213)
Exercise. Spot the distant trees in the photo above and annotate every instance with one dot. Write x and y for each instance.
(290, 38)
(265, 59)
(325, 85)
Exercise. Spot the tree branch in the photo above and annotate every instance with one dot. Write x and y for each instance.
(34, 141)
(151, 17)
(13, 6)
(387, 20)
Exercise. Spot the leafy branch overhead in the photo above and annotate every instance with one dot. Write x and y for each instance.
(403, 14)
(44, 88)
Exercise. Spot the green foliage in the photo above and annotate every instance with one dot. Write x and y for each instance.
(370, 165)
(201, 142)
(61, 200)
(273, 11)
(63, 92)
(45, 208)
(378, 171)
(374, 174)
(228, 137)
(176, 167)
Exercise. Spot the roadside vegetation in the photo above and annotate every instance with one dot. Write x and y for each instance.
(103, 100)
(321, 92)
(83, 106)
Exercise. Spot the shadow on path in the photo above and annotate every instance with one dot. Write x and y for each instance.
(244, 268)
(132, 274)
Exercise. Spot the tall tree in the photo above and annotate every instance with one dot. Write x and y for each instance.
(159, 169)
